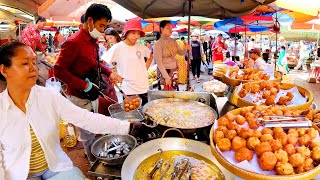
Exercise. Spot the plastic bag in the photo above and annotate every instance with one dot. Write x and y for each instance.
(54, 84)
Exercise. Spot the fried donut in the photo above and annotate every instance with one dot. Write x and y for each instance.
(289, 148)
(304, 151)
(294, 132)
(283, 100)
(284, 168)
(240, 119)
(253, 124)
(257, 133)
(267, 131)
(312, 133)
(290, 96)
(304, 140)
(243, 154)
(238, 142)
(252, 143)
(224, 144)
(231, 134)
(277, 130)
(263, 147)
(315, 153)
(314, 143)
(266, 94)
(232, 126)
(266, 137)
(282, 137)
(296, 159)
(267, 161)
(230, 117)
(275, 144)
(282, 156)
(270, 100)
(308, 164)
(246, 133)
(244, 111)
(292, 139)
(223, 121)
(302, 131)
(218, 135)
(223, 129)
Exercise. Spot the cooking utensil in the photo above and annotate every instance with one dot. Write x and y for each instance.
(107, 98)
(98, 145)
(160, 118)
(285, 121)
(120, 90)
(149, 148)
(167, 167)
(155, 169)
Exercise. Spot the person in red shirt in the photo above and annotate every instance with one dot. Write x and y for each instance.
(78, 67)
(217, 49)
(31, 35)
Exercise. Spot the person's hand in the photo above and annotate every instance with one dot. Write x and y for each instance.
(168, 82)
(137, 129)
(115, 78)
(188, 47)
(92, 91)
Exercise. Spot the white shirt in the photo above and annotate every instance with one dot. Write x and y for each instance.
(260, 64)
(131, 66)
(44, 109)
(239, 49)
(250, 45)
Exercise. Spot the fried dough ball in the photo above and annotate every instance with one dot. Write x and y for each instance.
(270, 100)
(296, 159)
(263, 85)
(267, 112)
(255, 88)
(253, 124)
(268, 86)
(308, 164)
(292, 139)
(302, 131)
(294, 132)
(266, 77)
(250, 116)
(277, 130)
(266, 94)
(224, 144)
(263, 147)
(238, 142)
(267, 131)
(230, 117)
(289, 148)
(252, 143)
(246, 133)
(290, 96)
(232, 126)
(258, 108)
(218, 135)
(266, 137)
(267, 161)
(282, 156)
(240, 119)
(244, 111)
(223, 129)
(257, 133)
(275, 144)
(231, 134)
(312, 133)
(283, 100)
(315, 153)
(282, 137)
(243, 93)
(314, 143)
(299, 169)
(304, 151)
(243, 154)
(284, 169)
(223, 121)
(274, 91)
(304, 140)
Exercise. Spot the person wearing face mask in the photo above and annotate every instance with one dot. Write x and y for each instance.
(164, 51)
(129, 57)
(78, 66)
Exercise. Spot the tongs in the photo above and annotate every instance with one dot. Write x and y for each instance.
(121, 91)
(285, 121)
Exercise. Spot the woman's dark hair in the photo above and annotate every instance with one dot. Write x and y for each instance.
(7, 51)
(164, 23)
(83, 18)
(97, 12)
(112, 32)
(41, 19)
(158, 36)
(282, 47)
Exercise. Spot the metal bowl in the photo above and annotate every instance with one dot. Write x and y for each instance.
(99, 145)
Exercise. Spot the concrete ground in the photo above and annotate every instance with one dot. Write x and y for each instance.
(297, 77)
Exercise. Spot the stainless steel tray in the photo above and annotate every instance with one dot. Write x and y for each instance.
(116, 111)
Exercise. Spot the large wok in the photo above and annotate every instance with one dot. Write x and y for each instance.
(196, 128)
(151, 147)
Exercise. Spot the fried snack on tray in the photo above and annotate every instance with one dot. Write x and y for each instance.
(286, 151)
(249, 74)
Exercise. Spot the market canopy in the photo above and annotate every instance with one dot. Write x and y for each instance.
(220, 9)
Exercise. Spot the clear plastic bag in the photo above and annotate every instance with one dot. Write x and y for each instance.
(54, 84)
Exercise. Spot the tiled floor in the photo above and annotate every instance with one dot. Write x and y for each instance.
(297, 77)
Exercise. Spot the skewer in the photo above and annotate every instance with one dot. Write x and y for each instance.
(155, 169)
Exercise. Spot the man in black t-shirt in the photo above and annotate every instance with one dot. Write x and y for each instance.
(196, 54)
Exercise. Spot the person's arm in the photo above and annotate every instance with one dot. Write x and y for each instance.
(157, 52)
(109, 57)
(40, 47)
(1, 163)
(67, 57)
(149, 61)
(93, 122)
(201, 49)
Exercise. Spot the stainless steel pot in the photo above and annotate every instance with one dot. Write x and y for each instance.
(99, 144)
(151, 147)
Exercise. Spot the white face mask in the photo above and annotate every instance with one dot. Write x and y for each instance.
(95, 34)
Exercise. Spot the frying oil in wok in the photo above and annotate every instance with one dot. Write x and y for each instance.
(202, 168)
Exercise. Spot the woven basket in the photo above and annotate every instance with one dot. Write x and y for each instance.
(245, 174)
(240, 102)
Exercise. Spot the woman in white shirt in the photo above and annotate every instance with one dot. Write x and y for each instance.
(132, 61)
(28, 111)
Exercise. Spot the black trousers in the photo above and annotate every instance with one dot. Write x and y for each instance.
(237, 58)
(195, 65)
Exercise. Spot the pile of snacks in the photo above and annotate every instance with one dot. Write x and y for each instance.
(249, 74)
(131, 104)
(287, 152)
